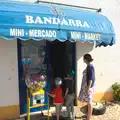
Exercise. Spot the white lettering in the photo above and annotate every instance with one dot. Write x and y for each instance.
(39, 33)
(47, 34)
(78, 23)
(75, 35)
(29, 19)
(91, 36)
(42, 33)
(54, 34)
(12, 32)
(71, 22)
(64, 22)
(16, 32)
(56, 21)
(85, 24)
(31, 33)
(47, 20)
(38, 20)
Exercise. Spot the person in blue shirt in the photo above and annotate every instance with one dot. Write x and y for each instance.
(88, 84)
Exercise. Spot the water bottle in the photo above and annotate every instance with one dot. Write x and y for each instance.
(24, 61)
(34, 101)
(29, 61)
(42, 99)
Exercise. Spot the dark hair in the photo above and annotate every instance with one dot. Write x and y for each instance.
(88, 57)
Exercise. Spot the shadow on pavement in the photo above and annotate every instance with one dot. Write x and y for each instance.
(84, 109)
(45, 117)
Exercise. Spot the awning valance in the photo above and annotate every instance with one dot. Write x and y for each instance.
(48, 21)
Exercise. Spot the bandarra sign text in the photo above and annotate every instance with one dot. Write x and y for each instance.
(56, 21)
(46, 33)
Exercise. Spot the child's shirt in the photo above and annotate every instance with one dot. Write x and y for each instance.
(58, 95)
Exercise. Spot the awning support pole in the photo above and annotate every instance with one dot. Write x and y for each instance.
(97, 10)
(94, 45)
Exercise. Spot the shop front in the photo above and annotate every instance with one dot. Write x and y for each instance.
(46, 36)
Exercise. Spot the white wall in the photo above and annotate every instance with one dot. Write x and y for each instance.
(107, 59)
(81, 49)
(9, 93)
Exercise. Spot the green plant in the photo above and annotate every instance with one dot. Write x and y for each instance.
(116, 91)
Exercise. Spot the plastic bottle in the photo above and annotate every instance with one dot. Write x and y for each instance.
(42, 98)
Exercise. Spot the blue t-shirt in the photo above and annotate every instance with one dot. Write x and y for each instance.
(90, 74)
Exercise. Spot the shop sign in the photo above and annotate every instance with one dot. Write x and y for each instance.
(33, 33)
(54, 33)
(85, 36)
(55, 21)
(43, 33)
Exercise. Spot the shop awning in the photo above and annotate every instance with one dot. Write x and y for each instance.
(48, 21)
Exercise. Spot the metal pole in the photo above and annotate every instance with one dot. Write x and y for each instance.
(94, 45)
(28, 105)
(48, 109)
(95, 9)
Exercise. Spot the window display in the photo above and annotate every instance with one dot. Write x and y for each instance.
(34, 68)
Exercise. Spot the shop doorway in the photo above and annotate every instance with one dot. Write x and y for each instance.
(58, 57)
(61, 57)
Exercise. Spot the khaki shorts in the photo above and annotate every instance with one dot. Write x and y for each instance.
(58, 108)
(69, 99)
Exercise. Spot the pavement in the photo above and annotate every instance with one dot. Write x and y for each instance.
(112, 113)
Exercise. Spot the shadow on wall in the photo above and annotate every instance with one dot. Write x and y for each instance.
(108, 96)
(104, 96)
(81, 50)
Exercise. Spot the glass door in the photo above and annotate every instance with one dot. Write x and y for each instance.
(32, 55)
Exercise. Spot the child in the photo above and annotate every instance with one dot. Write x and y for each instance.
(69, 93)
(57, 97)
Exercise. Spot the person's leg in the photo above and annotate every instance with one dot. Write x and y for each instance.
(67, 104)
(58, 111)
(72, 108)
(57, 115)
(90, 109)
(72, 105)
